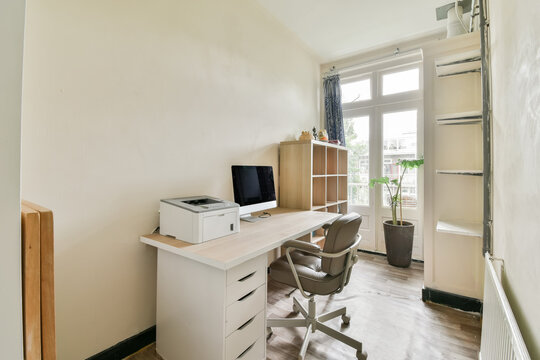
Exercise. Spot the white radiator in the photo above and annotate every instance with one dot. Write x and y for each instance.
(501, 338)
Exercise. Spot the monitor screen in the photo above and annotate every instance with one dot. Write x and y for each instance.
(253, 184)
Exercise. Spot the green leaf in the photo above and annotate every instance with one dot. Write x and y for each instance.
(394, 181)
(410, 164)
(381, 180)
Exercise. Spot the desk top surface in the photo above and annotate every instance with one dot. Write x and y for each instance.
(254, 239)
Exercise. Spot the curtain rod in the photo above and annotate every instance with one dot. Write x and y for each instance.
(333, 70)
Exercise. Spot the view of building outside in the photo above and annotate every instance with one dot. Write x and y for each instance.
(399, 142)
(357, 137)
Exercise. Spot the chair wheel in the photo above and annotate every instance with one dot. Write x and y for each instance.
(295, 309)
(361, 355)
(346, 319)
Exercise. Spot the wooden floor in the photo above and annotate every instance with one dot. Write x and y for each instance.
(388, 316)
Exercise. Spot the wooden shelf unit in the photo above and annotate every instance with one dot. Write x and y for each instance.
(313, 176)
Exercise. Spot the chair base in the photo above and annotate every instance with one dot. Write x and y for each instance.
(312, 323)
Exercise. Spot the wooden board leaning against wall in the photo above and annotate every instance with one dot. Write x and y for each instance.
(38, 282)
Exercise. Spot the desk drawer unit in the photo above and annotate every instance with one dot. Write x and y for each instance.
(219, 318)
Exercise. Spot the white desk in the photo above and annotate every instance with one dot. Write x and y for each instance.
(211, 297)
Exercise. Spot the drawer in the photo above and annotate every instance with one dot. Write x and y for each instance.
(246, 268)
(219, 225)
(244, 309)
(244, 285)
(244, 336)
(255, 351)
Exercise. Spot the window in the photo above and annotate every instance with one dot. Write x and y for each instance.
(399, 142)
(393, 123)
(383, 117)
(357, 137)
(402, 81)
(354, 91)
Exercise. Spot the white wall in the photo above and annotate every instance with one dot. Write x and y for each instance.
(128, 102)
(515, 48)
(11, 43)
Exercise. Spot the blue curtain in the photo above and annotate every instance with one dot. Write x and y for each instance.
(332, 105)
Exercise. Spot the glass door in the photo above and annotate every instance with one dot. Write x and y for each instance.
(382, 113)
(358, 136)
(399, 134)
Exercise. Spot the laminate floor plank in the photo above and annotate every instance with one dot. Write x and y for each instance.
(387, 316)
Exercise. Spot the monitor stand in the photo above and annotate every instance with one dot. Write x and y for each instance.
(249, 218)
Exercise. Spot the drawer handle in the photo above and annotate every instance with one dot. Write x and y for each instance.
(245, 351)
(247, 295)
(247, 323)
(247, 276)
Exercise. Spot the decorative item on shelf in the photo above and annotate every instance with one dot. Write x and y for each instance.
(323, 135)
(398, 235)
(336, 142)
(306, 135)
(314, 133)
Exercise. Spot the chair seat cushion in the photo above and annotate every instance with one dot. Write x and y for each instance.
(308, 268)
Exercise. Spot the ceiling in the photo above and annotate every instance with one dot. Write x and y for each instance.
(335, 29)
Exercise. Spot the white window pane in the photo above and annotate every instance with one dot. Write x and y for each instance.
(402, 81)
(356, 91)
(399, 142)
(357, 138)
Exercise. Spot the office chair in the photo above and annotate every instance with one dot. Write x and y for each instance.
(319, 272)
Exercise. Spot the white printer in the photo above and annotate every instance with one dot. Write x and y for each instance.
(197, 219)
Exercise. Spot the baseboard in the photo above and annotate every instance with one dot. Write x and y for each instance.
(452, 300)
(382, 254)
(127, 347)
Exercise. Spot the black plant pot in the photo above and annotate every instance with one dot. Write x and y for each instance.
(399, 242)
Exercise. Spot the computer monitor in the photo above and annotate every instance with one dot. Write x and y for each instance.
(253, 189)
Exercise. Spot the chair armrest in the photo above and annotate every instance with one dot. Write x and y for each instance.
(303, 246)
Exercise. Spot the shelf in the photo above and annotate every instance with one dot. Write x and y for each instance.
(331, 189)
(318, 207)
(342, 162)
(464, 118)
(467, 62)
(319, 160)
(318, 176)
(460, 228)
(461, 172)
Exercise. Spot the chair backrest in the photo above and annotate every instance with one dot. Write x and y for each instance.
(341, 235)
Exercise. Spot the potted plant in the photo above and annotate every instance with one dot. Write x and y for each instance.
(398, 235)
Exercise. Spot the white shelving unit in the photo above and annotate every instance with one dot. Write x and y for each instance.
(460, 228)
(453, 259)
